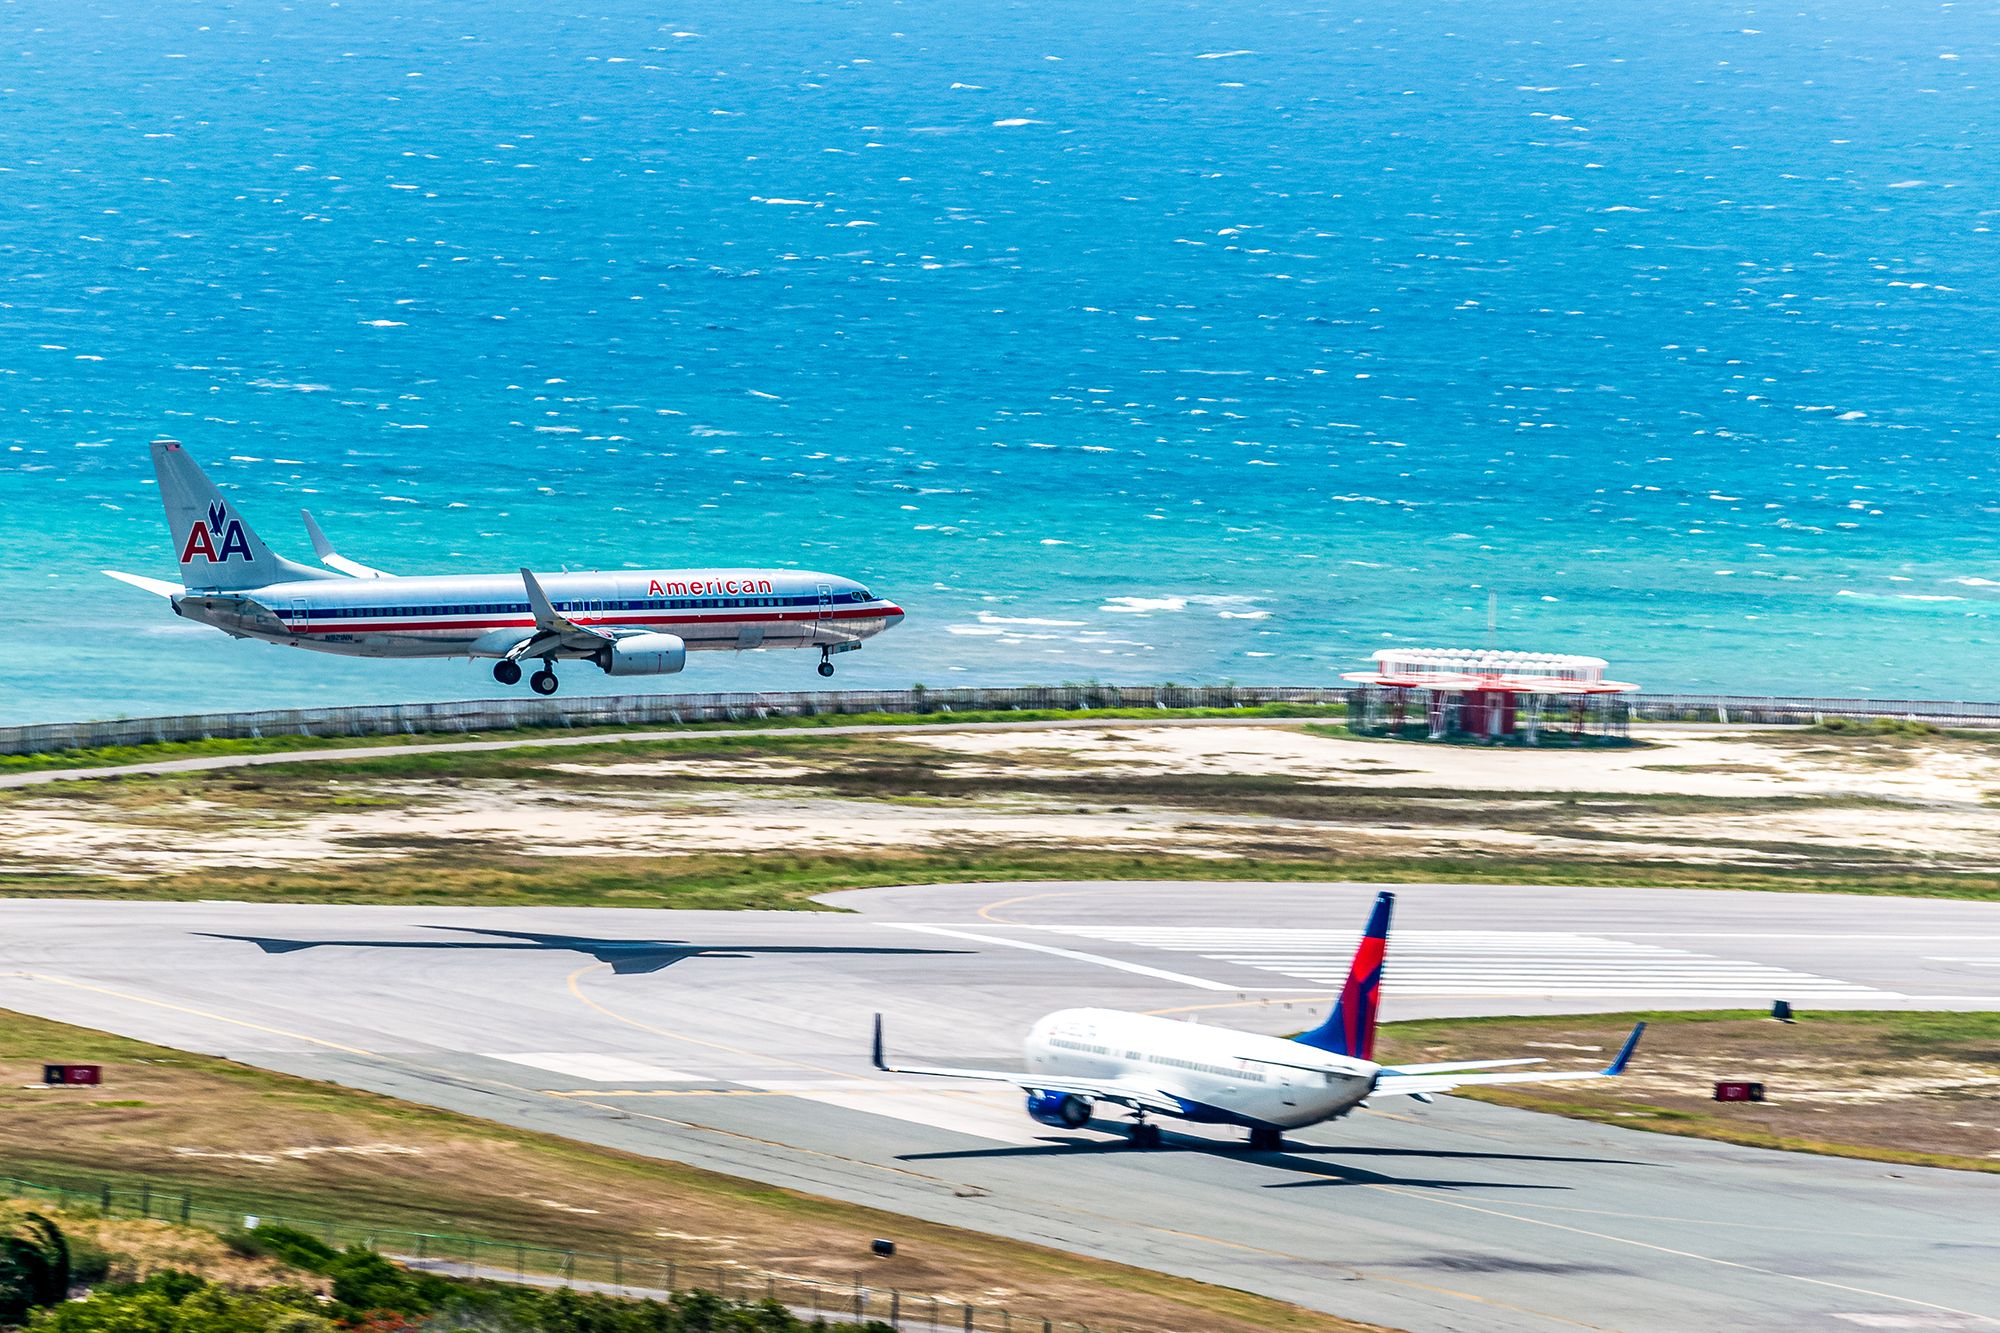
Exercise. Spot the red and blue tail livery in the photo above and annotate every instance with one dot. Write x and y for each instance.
(1350, 1028)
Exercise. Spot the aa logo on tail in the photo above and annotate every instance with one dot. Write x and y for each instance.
(219, 539)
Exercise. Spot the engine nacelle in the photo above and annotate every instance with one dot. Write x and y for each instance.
(1064, 1110)
(644, 655)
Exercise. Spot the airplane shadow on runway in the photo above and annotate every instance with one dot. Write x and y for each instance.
(1296, 1158)
(627, 957)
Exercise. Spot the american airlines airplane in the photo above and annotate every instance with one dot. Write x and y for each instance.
(1080, 1057)
(628, 623)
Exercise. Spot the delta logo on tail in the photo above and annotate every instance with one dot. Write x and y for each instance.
(221, 526)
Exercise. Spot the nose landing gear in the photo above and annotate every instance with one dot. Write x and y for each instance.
(543, 681)
(507, 673)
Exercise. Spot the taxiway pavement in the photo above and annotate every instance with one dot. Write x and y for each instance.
(738, 1041)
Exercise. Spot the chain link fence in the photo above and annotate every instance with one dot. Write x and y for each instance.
(478, 715)
(671, 710)
(534, 1264)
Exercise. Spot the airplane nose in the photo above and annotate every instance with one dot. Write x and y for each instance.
(892, 616)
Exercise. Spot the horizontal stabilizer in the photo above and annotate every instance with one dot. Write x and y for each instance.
(1401, 1082)
(1453, 1066)
(159, 587)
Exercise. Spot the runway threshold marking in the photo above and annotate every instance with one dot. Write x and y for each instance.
(1119, 964)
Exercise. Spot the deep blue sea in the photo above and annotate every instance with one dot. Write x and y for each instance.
(1121, 341)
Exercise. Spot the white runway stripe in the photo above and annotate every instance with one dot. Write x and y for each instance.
(1492, 962)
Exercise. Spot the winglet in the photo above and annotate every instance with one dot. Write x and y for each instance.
(546, 618)
(1617, 1066)
(880, 1061)
(321, 546)
(333, 559)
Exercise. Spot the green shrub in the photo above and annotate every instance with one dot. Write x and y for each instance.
(89, 1263)
(177, 1308)
(34, 1268)
(1879, 726)
(286, 1244)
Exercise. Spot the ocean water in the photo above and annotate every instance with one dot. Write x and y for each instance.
(1123, 341)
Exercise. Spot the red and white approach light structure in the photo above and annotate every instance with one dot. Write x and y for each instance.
(1487, 693)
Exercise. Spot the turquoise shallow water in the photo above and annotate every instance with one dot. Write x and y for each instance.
(1122, 341)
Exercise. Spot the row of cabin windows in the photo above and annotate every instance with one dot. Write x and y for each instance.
(572, 608)
(1225, 1071)
(1255, 1076)
(1068, 1045)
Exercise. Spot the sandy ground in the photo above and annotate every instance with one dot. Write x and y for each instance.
(1722, 762)
(1933, 810)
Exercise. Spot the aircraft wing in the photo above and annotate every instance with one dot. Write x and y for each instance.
(333, 559)
(159, 587)
(1125, 1092)
(554, 632)
(1421, 1080)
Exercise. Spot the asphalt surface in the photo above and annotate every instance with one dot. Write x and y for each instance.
(737, 1041)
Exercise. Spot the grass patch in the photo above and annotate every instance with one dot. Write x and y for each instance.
(125, 755)
(1890, 1086)
(245, 1140)
(460, 876)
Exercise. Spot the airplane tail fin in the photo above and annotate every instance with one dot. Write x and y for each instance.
(1350, 1028)
(217, 548)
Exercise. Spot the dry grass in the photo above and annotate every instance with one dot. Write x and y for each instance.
(252, 1141)
(1918, 1088)
(139, 1248)
(666, 823)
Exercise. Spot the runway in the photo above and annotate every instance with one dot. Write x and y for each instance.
(737, 1041)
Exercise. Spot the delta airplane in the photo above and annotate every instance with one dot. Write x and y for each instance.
(628, 623)
(1078, 1058)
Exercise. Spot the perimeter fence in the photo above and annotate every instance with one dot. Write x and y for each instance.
(655, 1276)
(466, 716)
(628, 710)
(1807, 710)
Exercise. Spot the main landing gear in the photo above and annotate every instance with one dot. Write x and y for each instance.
(826, 661)
(1267, 1138)
(1144, 1136)
(509, 673)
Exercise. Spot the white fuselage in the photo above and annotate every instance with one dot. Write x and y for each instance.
(1220, 1076)
(482, 615)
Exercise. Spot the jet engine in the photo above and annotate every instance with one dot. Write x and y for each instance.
(1064, 1110)
(644, 655)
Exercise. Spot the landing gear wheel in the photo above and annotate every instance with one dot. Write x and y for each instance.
(1266, 1139)
(543, 681)
(1145, 1137)
(826, 661)
(507, 673)
(826, 668)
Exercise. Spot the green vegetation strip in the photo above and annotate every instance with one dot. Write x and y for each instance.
(118, 756)
(772, 882)
(1896, 1086)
